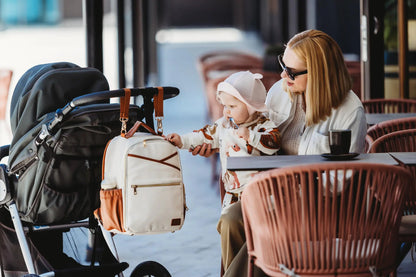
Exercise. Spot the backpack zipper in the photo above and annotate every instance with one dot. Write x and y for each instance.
(134, 187)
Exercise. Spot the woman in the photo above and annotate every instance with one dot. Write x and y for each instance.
(313, 96)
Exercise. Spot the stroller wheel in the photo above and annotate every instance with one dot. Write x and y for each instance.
(150, 269)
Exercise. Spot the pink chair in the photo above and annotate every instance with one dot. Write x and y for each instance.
(385, 127)
(390, 105)
(328, 219)
(5, 80)
(402, 141)
(398, 141)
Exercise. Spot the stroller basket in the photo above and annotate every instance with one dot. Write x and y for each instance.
(52, 179)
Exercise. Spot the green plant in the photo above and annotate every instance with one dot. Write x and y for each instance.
(390, 22)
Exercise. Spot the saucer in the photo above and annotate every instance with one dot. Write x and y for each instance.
(341, 157)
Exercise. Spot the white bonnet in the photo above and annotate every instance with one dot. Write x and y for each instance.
(246, 87)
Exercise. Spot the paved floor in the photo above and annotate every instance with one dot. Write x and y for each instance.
(194, 250)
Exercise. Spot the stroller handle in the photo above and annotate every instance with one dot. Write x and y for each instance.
(146, 92)
(168, 92)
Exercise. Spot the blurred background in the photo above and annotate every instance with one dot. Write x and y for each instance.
(367, 31)
(172, 43)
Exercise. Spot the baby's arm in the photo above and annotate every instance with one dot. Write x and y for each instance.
(175, 139)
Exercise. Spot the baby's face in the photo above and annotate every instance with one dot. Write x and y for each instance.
(234, 108)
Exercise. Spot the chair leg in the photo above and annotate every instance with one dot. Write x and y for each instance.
(214, 168)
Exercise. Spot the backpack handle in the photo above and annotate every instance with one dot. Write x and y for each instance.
(136, 126)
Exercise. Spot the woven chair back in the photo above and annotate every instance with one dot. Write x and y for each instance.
(400, 141)
(390, 105)
(325, 219)
(385, 127)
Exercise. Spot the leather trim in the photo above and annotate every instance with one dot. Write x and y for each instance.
(162, 161)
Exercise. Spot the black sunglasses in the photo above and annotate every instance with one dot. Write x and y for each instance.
(289, 72)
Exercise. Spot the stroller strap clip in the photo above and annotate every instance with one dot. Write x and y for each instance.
(40, 138)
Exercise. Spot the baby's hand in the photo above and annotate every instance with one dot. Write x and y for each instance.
(243, 132)
(175, 139)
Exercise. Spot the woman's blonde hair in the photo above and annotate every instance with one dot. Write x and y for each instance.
(328, 78)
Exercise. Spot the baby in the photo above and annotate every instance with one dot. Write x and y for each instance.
(242, 131)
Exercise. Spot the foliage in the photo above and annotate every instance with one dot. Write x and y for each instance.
(390, 22)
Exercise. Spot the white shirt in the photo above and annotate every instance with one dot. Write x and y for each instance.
(314, 140)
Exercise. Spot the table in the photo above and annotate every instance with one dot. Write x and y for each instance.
(374, 118)
(408, 158)
(277, 161)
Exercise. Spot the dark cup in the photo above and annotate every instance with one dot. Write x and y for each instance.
(339, 141)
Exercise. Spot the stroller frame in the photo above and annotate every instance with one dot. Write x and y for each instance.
(49, 129)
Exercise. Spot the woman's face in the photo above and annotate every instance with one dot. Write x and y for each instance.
(234, 108)
(294, 65)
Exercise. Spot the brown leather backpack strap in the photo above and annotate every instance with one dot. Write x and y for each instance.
(136, 126)
(158, 105)
(124, 110)
(158, 102)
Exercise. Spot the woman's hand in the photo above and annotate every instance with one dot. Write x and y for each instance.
(244, 133)
(204, 150)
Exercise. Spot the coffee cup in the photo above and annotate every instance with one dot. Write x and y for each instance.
(339, 141)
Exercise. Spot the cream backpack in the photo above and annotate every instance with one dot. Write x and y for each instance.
(142, 190)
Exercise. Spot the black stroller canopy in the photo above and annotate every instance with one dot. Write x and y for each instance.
(47, 87)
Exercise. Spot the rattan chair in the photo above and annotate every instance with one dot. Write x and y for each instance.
(5, 131)
(216, 63)
(354, 68)
(398, 141)
(390, 105)
(5, 80)
(327, 219)
(402, 141)
(385, 127)
(216, 66)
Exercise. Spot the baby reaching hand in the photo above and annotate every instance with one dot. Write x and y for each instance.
(175, 139)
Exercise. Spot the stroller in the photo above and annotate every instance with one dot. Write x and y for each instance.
(61, 118)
